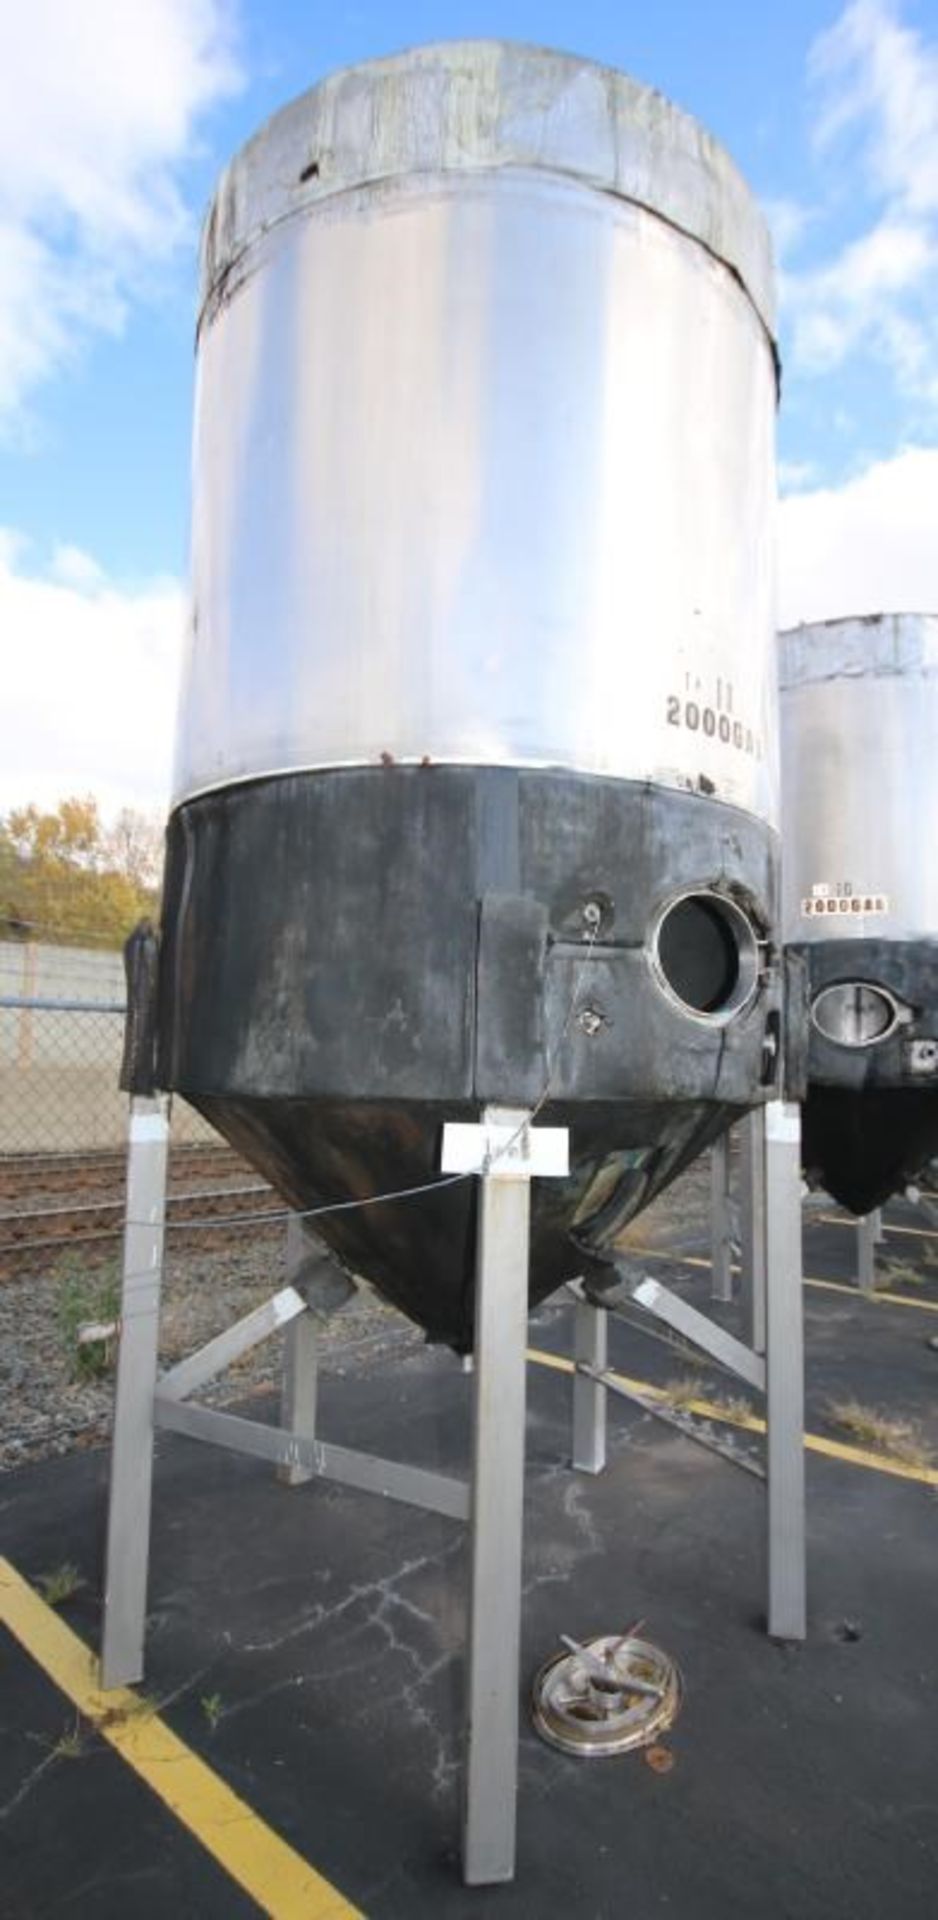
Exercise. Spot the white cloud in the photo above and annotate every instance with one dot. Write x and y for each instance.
(99, 101)
(870, 546)
(856, 300)
(880, 82)
(876, 87)
(89, 682)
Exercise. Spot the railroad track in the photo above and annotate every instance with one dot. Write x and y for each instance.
(25, 1178)
(52, 1209)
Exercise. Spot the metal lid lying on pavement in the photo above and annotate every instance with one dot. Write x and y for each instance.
(606, 1696)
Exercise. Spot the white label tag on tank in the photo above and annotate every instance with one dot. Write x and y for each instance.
(505, 1149)
(842, 899)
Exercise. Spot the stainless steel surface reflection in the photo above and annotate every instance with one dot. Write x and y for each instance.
(483, 474)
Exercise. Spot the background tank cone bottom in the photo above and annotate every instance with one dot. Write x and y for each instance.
(864, 1145)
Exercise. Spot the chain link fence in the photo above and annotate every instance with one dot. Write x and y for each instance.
(61, 1038)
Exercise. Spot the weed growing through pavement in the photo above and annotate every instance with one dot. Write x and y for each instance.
(684, 1389)
(732, 1406)
(212, 1708)
(59, 1583)
(899, 1273)
(881, 1432)
(71, 1744)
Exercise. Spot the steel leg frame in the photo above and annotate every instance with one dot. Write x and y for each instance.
(784, 1371)
(752, 1182)
(869, 1236)
(128, 1531)
(773, 1298)
(590, 1349)
(142, 1405)
(494, 1635)
(300, 1381)
(721, 1232)
(506, 1151)
(494, 1504)
(773, 1294)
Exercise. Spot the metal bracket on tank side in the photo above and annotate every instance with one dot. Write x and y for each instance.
(772, 1307)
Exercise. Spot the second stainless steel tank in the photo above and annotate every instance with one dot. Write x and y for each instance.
(859, 716)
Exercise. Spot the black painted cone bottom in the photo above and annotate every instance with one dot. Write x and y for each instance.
(352, 957)
(419, 1252)
(866, 1144)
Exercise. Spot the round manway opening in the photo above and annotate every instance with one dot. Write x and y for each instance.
(855, 1014)
(707, 954)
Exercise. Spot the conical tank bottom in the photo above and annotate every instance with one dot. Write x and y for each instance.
(419, 1251)
(351, 959)
(862, 1146)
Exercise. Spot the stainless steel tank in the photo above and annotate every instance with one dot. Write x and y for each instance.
(476, 784)
(859, 717)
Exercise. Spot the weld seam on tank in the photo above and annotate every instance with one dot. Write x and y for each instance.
(227, 283)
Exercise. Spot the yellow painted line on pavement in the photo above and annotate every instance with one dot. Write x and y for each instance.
(283, 1884)
(750, 1423)
(880, 1296)
(846, 1220)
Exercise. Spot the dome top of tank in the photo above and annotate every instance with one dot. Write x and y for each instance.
(858, 646)
(476, 105)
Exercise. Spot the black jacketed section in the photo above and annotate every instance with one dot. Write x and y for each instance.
(352, 958)
(870, 1119)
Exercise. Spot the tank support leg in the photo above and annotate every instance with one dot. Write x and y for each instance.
(752, 1182)
(590, 1349)
(128, 1533)
(869, 1234)
(505, 1152)
(300, 1377)
(496, 1522)
(784, 1371)
(721, 1232)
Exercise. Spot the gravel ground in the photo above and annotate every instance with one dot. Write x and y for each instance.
(45, 1409)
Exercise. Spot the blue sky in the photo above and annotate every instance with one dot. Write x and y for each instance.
(114, 122)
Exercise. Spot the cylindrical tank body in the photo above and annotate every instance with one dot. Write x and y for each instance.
(476, 787)
(859, 720)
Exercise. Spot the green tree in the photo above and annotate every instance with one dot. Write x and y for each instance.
(66, 877)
